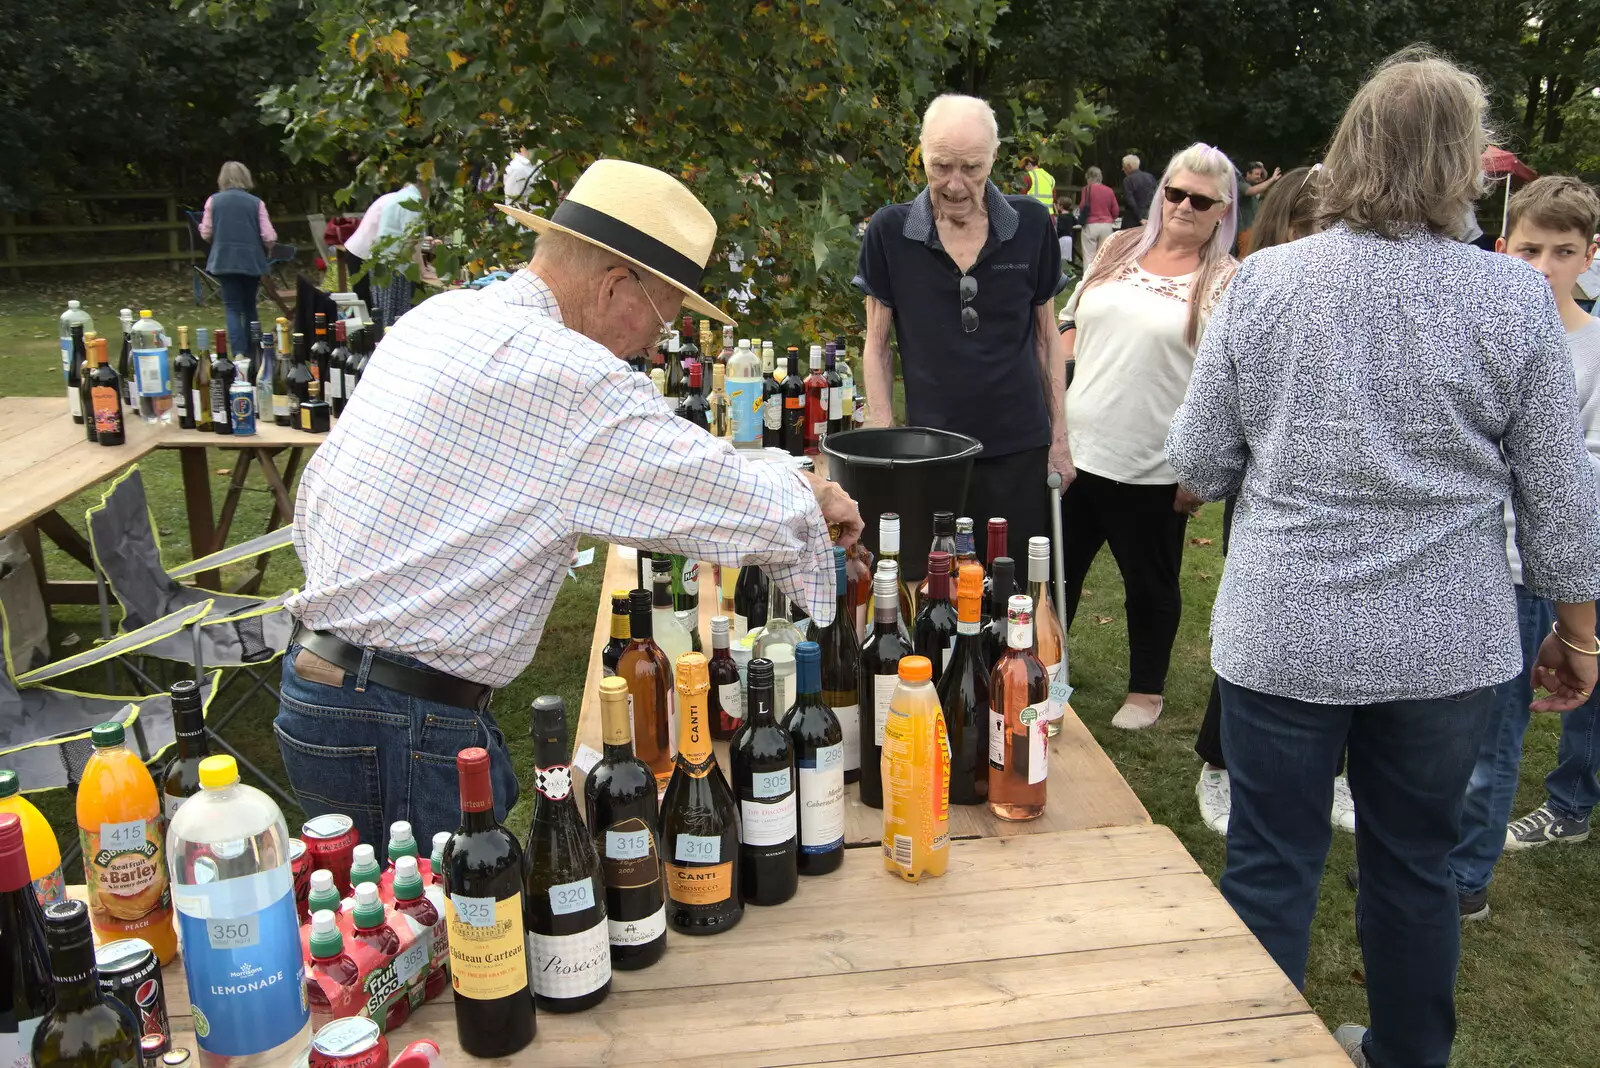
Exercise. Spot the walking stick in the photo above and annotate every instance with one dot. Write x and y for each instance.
(1058, 561)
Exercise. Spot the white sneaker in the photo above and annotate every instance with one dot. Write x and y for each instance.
(1215, 800)
(1343, 817)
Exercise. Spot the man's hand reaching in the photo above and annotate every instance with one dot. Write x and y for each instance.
(838, 509)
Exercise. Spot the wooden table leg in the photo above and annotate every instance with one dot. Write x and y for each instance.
(55, 527)
(230, 502)
(30, 540)
(197, 498)
(282, 508)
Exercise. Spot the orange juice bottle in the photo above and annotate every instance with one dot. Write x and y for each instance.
(916, 776)
(124, 846)
(44, 855)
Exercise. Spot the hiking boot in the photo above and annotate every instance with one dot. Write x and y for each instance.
(1343, 817)
(1543, 826)
(1350, 1037)
(1473, 906)
(1215, 800)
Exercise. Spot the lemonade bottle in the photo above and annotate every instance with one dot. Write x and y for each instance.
(916, 776)
(124, 846)
(44, 855)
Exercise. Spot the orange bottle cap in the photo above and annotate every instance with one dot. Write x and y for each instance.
(915, 669)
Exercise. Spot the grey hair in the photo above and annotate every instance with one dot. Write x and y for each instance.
(1093, 176)
(234, 175)
(947, 105)
(1130, 160)
(1409, 150)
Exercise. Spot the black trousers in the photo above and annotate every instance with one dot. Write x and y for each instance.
(1012, 488)
(1146, 537)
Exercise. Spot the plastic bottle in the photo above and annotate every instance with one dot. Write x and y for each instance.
(73, 316)
(436, 860)
(153, 369)
(426, 920)
(916, 776)
(44, 855)
(402, 843)
(364, 866)
(234, 890)
(324, 894)
(377, 945)
(120, 824)
(333, 982)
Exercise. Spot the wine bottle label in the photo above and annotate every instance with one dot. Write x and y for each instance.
(198, 402)
(107, 409)
(127, 876)
(763, 824)
(819, 428)
(219, 401)
(150, 367)
(572, 965)
(638, 932)
(822, 799)
(555, 782)
(997, 739)
(586, 757)
(572, 897)
(708, 884)
(849, 717)
(697, 848)
(241, 953)
(883, 687)
(630, 857)
(731, 698)
(765, 785)
(180, 403)
(16, 1048)
(335, 383)
(835, 403)
(75, 402)
(280, 406)
(1060, 692)
(1036, 721)
(488, 953)
(772, 414)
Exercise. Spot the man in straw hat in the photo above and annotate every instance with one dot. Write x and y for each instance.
(493, 428)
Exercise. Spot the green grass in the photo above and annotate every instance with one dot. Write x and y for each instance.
(1530, 981)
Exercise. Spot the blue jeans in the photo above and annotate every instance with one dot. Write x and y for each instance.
(239, 307)
(378, 755)
(1408, 763)
(1572, 786)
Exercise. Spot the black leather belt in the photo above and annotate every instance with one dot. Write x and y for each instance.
(420, 682)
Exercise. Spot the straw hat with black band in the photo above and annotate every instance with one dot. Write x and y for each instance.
(645, 216)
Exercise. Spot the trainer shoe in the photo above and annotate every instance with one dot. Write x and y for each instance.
(1474, 906)
(1215, 800)
(1135, 717)
(1543, 826)
(1350, 1037)
(1343, 817)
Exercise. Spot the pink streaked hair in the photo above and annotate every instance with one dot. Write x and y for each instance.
(1206, 161)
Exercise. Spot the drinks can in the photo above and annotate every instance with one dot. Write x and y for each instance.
(175, 1058)
(300, 866)
(350, 1042)
(331, 840)
(130, 972)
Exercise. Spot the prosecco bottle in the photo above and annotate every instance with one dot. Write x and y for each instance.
(620, 801)
(818, 743)
(699, 820)
(483, 907)
(762, 759)
(565, 908)
(879, 675)
(964, 696)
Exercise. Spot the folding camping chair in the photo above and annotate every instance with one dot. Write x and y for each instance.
(244, 634)
(206, 284)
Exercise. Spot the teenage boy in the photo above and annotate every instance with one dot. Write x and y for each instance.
(1551, 225)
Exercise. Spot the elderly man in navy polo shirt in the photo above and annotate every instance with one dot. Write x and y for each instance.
(967, 276)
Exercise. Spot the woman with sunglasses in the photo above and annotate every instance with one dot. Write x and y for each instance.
(1132, 330)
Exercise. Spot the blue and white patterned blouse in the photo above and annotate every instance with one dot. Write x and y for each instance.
(1374, 402)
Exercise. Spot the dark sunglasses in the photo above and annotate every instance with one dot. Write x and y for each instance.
(969, 314)
(1201, 203)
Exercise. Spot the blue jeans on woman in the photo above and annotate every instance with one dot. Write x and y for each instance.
(1408, 763)
(239, 308)
(378, 755)
(1572, 786)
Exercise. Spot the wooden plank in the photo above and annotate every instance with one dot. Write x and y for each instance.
(268, 435)
(45, 459)
(1087, 790)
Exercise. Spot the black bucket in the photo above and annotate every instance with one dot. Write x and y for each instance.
(913, 471)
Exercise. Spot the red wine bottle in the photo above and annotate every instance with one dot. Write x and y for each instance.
(26, 994)
(935, 632)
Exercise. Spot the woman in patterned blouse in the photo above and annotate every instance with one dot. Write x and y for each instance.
(1374, 394)
(1132, 328)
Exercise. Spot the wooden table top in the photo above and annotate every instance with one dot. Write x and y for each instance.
(45, 458)
(1086, 791)
(268, 435)
(1105, 947)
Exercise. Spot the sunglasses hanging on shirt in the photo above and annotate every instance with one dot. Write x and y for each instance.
(969, 314)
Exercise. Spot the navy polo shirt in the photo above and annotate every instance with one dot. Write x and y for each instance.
(986, 383)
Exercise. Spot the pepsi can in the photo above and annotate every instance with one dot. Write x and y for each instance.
(130, 972)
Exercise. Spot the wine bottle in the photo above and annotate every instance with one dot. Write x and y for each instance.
(891, 568)
(995, 547)
(841, 664)
(85, 401)
(105, 398)
(646, 671)
(889, 549)
(779, 628)
(183, 370)
(771, 402)
(966, 545)
(1049, 640)
(320, 357)
(816, 387)
(26, 995)
(794, 407)
(835, 389)
(1001, 589)
(719, 410)
(483, 907)
(222, 374)
(619, 633)
(686, 598)
(727, 695)
(964, 696)
(1019, 722)
(944, 540)
(298, 379)
(200, 395)
(817, 738)
(316, 416)
(670, 633)
(749, 600)
(565, 907)
(688, 355)
(762, 758)
(692, 406)
(266, 374)
(934, 636)
(699, 821)
(125, 373)
(77, 353)
(620, 801)
(86, 1028)
(181, 780)
(881, 651)
(280, 377)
